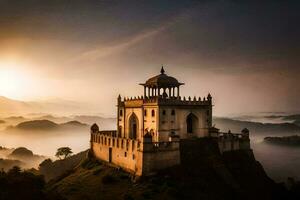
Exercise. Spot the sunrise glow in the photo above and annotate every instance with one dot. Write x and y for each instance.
(13, 81)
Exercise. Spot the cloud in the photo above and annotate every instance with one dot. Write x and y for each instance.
(100, 51)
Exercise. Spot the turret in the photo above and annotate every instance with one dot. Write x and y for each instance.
(209, 98)
(245, 133)
(119, 99)
(94, 128)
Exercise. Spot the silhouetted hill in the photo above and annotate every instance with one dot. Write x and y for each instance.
(104, 123)
(56, 119)
(293, 140)
(203, 174)
(21, 152)
(28, 158)
(255, 127)
(46, 125)
(292, 117)
(37, 125)
(74, 124)
(7, 164)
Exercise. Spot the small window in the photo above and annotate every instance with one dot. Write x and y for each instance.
(121, 113)
(153, 113)
(145, 113)
(125, 154)
(133, 157)
(164, 112)
(173, 112)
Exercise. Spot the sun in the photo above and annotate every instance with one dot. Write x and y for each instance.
(13, 81)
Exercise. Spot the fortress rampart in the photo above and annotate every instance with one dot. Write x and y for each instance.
(138, 157)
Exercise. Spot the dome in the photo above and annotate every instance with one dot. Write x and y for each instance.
(162, 81)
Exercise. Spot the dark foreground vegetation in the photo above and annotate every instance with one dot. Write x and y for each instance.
(203, 174)
(16, 184)
(293, 140)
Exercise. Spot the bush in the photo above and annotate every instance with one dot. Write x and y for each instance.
(18, 184)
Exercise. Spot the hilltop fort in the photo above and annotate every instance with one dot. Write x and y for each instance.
(152, 127)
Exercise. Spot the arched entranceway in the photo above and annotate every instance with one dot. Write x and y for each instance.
(133, 126)
(191, 123)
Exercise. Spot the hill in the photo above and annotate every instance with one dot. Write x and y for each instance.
(26, 156)
(21, 152)
(51, 170)
(47, 125)
(255, 127)
(37, 125)
(203, 174)
(293, 140)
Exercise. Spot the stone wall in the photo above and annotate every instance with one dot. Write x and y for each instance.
(232, 142)
(139, 158)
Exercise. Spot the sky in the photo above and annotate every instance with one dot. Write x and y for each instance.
(245, 53)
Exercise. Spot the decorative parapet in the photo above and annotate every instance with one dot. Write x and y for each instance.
(110, 139)
(140, 100)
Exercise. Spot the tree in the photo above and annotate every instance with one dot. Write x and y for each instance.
(63, 152)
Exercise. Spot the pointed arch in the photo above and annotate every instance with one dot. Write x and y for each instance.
(133, 126)
(192, 123)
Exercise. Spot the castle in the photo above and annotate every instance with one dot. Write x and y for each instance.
(151, 127)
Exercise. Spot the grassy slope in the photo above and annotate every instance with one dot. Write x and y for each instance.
(203, 174)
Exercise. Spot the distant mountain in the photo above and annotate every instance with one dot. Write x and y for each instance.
(226, 124)
(293, 140)
(56, 119)
(26, 156)
(74, 123)
(47, 125)
(37, 125)
(297, 122)
(22, 152)
(104, 123)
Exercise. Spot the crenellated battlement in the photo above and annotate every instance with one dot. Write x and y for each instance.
(233, 141)
(110, 139)
(161, 100)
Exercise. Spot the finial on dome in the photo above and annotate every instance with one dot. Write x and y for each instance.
(162, 71)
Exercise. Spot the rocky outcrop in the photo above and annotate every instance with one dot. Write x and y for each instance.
(204, 173)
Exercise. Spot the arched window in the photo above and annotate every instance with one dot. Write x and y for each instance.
(164, 112)
(153, 113)
(133, 126)
(173, 112)
(145, 113)
(191, 123)
(121, 113)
